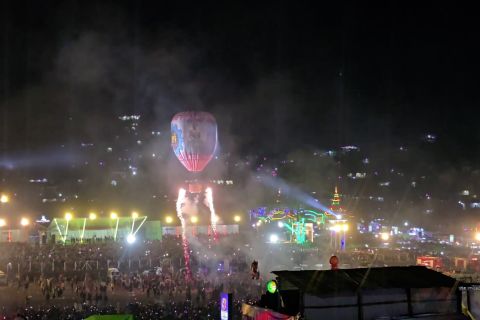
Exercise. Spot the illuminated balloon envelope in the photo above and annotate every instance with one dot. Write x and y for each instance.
(194, 139)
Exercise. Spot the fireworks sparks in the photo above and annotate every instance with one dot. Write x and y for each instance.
(186, 253)
(213, 216)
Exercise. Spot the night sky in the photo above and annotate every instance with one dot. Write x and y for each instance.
(277, 76)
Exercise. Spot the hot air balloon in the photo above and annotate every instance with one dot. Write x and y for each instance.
(194, 139)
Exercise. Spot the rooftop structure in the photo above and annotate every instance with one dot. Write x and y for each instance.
(369, 293)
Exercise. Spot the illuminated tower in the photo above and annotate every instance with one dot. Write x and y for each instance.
(338, 233)
(335, 206)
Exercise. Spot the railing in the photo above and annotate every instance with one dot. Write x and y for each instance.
(467, 313)
(57, 266)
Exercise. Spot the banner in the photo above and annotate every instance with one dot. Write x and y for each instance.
(256, 313)
(222, 229)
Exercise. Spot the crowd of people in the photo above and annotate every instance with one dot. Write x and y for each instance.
(73, 281)
(52, 258)
(140, 311)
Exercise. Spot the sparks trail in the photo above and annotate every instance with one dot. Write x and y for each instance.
(213, 216)
(186, 253)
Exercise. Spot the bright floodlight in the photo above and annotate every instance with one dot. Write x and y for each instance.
(4, 198)
(215, 219)
(237, 218)
(113, 215)
(134, 215)
(168, 219)
(68, 216)
(384, 236)
(194, 219)
(477, 236)
(345, 227)
(273, 238)
(335, 228)
(259, 223)
(3, 222)
(280, 224)
(92, 216)
(131, 238)
(24, 222)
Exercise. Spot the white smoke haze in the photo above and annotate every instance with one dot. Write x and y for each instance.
(270, 256)
(97, 77)
(190, 208)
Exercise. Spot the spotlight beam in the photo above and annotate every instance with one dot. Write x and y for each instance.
(59, 231)
(66, 232)
(296, 193)
(141, 224)
(133, 224)
(116, 230)
(83, 230)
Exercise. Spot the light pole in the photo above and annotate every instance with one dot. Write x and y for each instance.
(3, 223)
(339, 231)
(24, 223)
(344, 239)
(4, 199)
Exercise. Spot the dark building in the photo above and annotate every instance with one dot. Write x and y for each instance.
(369, 293)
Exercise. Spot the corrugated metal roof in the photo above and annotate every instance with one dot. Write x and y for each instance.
(350, 280)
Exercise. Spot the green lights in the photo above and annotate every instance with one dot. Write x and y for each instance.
(299, 224)
(314, 216)
(298, 230)
(272, 286)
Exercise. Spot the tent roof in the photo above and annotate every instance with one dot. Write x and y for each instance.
(99, 223)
